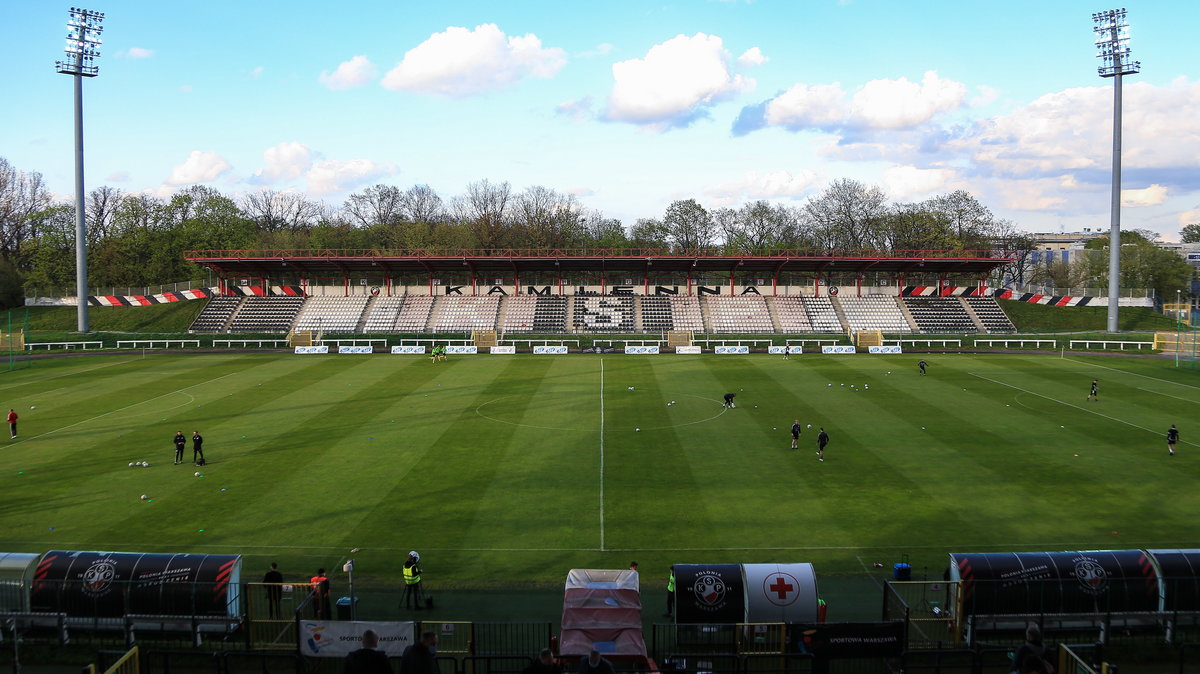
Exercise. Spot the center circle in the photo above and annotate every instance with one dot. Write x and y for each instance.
(700, 408)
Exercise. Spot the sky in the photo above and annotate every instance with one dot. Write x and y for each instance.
(628, 105)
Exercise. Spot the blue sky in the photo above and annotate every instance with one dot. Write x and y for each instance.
(628, 105)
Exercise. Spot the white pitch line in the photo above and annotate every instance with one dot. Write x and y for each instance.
(601, 455)
(65, 374)
(98, 416)
(1165, 381)
(1186, 400)
(1084, 409)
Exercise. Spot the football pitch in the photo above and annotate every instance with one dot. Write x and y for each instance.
(507, 471)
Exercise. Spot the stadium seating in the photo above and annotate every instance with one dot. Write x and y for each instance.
(990, 314)
(266, 314)
(550, 314)
(603, 314)
(874, 312)
(791, 313)
(686, 314)
(940, 315)
(519, 313)
(822, 315)
(331, 314)
(656, 314)
(464, 314)
(739, 314)
(381, 316)
(215, 314)
(414, 314)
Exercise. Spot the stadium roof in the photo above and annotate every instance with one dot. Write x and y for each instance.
(322, 261)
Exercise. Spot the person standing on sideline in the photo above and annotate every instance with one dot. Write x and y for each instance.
(545, 664)
(670, 594)
(367, 660)
(412, 581)
(1031, 655)
(320, 591)
(633, 566)
(822, 440)
(180, 441)
(729, 401)
(796, 435)
(1095, 394)
(12, 422)
(1172, 438)
(922, 364)
(273, 579)
(197, 448)
(594, 664)
(419, 657)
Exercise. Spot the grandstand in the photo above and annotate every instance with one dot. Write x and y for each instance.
(940, 315)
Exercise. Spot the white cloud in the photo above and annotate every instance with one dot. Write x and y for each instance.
(581, 191)
(752, 57)
(136, 53)
(461, 62)
(1148, 196)
(1189, 217)
(602, 49)
(285, 161)
(256, 72)
(766, 185)
(576, 110)
(185, 88)
(673, 83)
(331, 175)
(118, 177)
(878, 104)
(200, 167)
(986, 95)
(906, 182)
(356, 72)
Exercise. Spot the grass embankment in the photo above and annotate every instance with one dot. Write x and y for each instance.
(1043, 318)
(174, 317)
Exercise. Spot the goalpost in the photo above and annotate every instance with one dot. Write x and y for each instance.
(13, 341)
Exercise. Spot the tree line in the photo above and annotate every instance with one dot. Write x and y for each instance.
(137, 239)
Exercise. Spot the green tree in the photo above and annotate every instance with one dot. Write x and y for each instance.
(1143, 264)
(1190, 234)
(688, 226)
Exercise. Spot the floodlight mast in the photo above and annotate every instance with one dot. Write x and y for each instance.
(1112, 48)
(83, 48)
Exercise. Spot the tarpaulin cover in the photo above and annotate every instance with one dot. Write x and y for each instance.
(580, 598)
(607, 579)
(627, 642)
(601, 618)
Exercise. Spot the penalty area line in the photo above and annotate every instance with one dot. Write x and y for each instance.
(1082, 409)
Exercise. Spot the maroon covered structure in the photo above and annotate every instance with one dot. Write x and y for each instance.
(602, 609)
(385, 267)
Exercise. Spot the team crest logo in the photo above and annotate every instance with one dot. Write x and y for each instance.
(709, 589)
(99, 577)
(1091, 575)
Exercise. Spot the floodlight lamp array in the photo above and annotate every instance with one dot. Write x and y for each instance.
(1112, 44)
(83, 43)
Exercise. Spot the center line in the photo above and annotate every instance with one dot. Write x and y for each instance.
(601, 455)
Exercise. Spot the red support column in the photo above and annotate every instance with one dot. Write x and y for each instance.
(816, 286)
(473, 289)
(731, 293)
(858, 286)
(431, 285)
(387, 283)
(689, 283)
(262, 283)
(603, 285)
(774, 286)
(646, 283)
(516, 284)
(345, 286)
(560, 288)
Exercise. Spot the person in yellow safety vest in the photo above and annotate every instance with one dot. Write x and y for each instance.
(412, 581)
(670, 594)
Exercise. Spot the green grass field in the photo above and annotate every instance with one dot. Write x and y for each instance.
(506, 471)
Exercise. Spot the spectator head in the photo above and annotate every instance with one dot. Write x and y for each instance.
(429, 638)
(370, 639)
(633, 566)
(546, 657)
(594, 657)
(1033, 635)
(274, 566)
(320, 572)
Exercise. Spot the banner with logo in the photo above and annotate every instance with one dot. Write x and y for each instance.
(408, 349)
(709, 593)
(780, 593)
(689, 350)
(356, 349)
(847, 640)
(450, 350)
(641, 349)
(312, 349)
(549, 349)
(339, 638)
(838, 349)
(732, 349)
(893, 348)
(504, 350)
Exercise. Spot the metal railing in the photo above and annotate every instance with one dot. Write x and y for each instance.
(69, 291)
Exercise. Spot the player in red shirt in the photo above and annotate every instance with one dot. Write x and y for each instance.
(12, 422)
